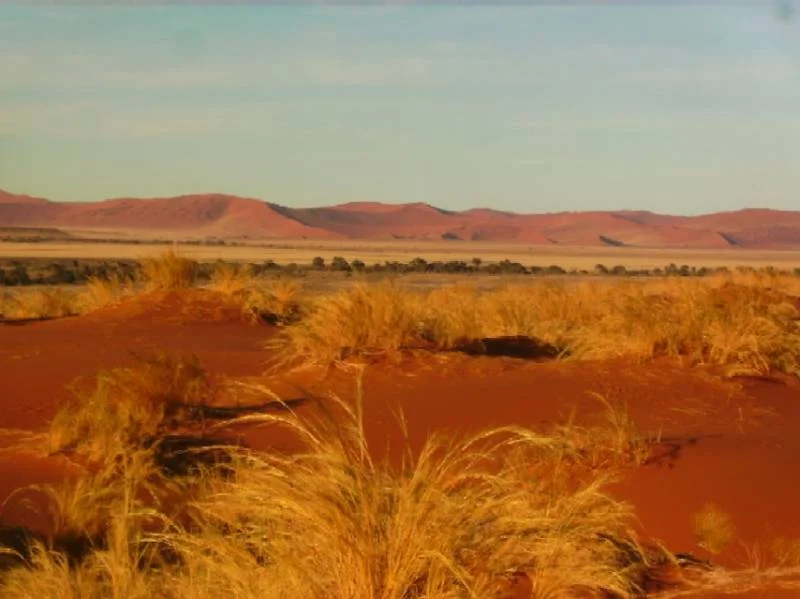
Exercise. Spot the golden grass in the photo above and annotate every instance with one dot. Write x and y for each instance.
(713, 528)
(278, 301)
(168, 270)
(101, 292)
(786, 552)
(615, 442)
(452, 521)
(37, 303)
(130, 408)
(752, 327)
(456, 519)
(232, 279)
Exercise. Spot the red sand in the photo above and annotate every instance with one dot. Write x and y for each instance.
(736, 443)
(225, 215)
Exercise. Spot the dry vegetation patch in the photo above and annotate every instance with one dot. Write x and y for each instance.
(168, 270)
(39, 303)
(747, 322)
(750, 327)
(278, 301)
(714, 528)
(460, 518)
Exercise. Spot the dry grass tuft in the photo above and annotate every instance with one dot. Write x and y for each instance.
(38, 303)
(168, 271)
(101, 292)
(786, 552)
(713, 528)
(359, 321)
(131, 408)
(615, 442)
(277, 301)
(232, 279)
(455, 520)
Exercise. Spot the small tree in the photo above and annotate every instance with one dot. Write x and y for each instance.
(318, 263)
(340, 264)
(418, 265)
(619, 270)
(18, 275)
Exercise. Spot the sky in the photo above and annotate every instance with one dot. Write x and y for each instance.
(679, 109)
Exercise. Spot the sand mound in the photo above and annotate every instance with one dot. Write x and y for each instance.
(185, 306)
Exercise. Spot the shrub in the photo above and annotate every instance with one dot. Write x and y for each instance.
(16, 275)
(340, 264)
(512, 268)
(619, 271)
(418, 265)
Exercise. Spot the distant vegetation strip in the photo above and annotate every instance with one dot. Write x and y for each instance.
(67, 272)
(745, 321)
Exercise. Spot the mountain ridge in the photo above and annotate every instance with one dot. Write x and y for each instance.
(226, 215)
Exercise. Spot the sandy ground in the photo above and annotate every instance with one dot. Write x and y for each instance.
(734, 442)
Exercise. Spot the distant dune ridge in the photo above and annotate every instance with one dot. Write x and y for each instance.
(221, 215)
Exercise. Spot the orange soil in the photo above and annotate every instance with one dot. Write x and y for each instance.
(735, 443)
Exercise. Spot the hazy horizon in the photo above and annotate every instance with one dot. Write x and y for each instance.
(671, 109)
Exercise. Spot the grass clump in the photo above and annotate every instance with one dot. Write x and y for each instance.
(39, 303)
(362, 320)
(168, 271)
(713, 528)
(105, 291)
(131, 408)
(232, 279)
(615, 442)
(277, 301)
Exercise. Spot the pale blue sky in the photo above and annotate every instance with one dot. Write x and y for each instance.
(678, 109)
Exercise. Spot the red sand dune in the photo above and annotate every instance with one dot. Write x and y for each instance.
(229, 216)
(735, 443)
(10, 198)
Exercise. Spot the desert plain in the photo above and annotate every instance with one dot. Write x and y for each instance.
(204, 430)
